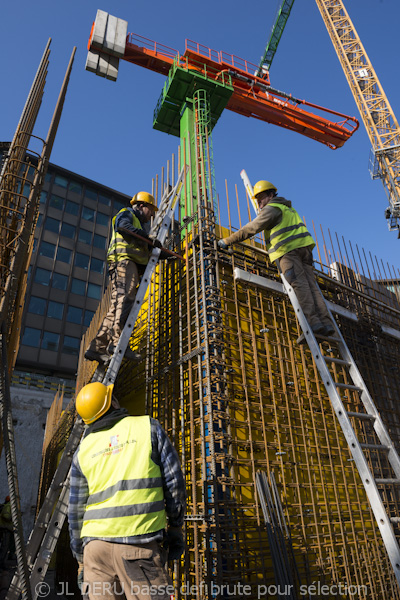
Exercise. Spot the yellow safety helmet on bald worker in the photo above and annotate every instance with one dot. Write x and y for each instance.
(263, 186)
(93, 401)
(145, 198)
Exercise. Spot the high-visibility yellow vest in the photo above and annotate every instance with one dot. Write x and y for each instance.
(126, 495)
(129, 248)
(291, 233)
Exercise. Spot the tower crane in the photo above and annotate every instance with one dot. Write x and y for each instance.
(377, 114)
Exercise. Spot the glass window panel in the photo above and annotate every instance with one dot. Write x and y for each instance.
(48, 177)
(97, 265)
(118, 206)
(61, 181)
(90, 193)
(31, 337)
(47, 249)
(74, 314)
(59, 282)
(55, 310)
(102, 219)
(35, 243)
(88, 214)
(68, 230)
(37, 306)
(27, 190)
(78, 286)
(50, 341)
(43, 197)
(64, 255)
(56, 201)
(85, 236)
(81, 260)
(87, 317)
(71, 345)
(52, 224)
(42, 276)
(76, 187)
(99, 241)
(94, 291)
(72, 207)
(39, 220)
(104, 200)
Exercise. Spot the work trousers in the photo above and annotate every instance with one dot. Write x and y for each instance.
(136, 572)
(124, 279)
(297, 267)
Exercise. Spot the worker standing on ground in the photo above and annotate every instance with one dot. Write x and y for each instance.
(289, 242)
(126, 486)
(127, 258)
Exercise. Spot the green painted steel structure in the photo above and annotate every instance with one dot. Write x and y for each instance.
(277, 30)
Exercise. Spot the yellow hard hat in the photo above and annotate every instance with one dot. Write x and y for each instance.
(93, 401)
(263, 186)
(146, 198)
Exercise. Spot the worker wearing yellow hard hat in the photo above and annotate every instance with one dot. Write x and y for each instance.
(127, 499)
(128, 254)
(290, 244)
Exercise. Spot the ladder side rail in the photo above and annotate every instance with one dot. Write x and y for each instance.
(367, 478)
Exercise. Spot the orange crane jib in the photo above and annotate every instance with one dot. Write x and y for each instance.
(252, 96)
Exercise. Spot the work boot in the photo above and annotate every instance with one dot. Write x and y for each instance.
(318, 327)
(93, 355)
(328, 330)
(129, 353)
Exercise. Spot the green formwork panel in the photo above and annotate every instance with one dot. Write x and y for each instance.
(182, 84)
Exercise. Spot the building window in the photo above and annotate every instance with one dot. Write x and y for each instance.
(55, 310)
(50, 341)
(42, 276)
(47, 249)
(60, 282)
(104, 200)
(48, 177)
(99, 241)
(118, 206)
(81, 260)
(88, 214)
(35, 243)
(64, 255)
(75, 187)
(87, 317)
(97, 265)
(52, 224)
(39, 220)
(71, 345)
(78, 286)
(31, 337)
(68, 230)
(61, 181)
(102, 219)
(94, 291)
(43, 197)
(72, 207)
(85, 236)
(74, 314)
(56, 201)
(91, 194)
(37, 306)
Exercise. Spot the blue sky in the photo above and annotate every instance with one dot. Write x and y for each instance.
(106, 129)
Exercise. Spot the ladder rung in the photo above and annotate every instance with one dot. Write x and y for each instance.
(390, 480)
(395, 519)
(347, 386)
(375, 447)
(361, 416)
(338, 361)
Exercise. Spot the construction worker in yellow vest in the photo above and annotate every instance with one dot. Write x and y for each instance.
(127, 258)
(127, 502)
(289, 242)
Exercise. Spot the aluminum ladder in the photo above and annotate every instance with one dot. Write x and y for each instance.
(44, 536)
(370, 415)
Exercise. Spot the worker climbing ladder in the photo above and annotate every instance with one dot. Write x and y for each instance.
(369, 415)
(51, 517)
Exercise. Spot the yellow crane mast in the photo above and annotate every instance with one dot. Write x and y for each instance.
(378, 117)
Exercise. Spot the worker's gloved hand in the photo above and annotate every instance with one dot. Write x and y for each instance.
(176, 545)
(157, 244)
(79, 578)
(221, 244)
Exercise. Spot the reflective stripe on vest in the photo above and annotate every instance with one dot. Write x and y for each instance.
(128, 248)
(291, 233)
(126, 495)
